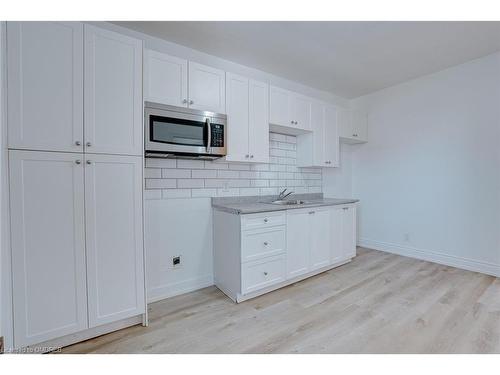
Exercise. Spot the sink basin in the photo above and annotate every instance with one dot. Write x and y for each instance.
(288, 202)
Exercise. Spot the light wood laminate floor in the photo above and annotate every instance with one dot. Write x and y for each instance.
(378, 303)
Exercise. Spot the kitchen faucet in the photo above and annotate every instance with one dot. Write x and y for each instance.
(282, 194)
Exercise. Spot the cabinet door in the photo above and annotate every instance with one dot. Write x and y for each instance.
(331, 137)
(359, 125)
(113, 93)
(258, 139)
(207, 88)
(318, 135)
(297, 243)
(165, 79)
(336, 231)
(48, 254)
(113, 206)
(301, 111)
(320, 237)
(345, 123)
(237, 118)
(349, 231)
(279, 107)
(45, 85)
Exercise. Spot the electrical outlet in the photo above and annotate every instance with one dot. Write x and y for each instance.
(1, 345)
(176, 261)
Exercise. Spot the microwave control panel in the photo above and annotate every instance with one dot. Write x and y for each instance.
(217, 135)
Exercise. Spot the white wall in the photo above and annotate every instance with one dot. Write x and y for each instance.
(431, 168)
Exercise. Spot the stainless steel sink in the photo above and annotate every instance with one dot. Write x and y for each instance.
(288, 202)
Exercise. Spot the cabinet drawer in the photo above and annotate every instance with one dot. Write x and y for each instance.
(263, 220)
(258, 243)
(262, 273)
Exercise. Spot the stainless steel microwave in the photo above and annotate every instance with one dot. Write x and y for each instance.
(177, 132)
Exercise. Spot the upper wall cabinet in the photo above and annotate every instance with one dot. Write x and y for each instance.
(207, 88)
(353, 126)
(321, 147)
(45, 85)
(113, 93)
(289, 112)
(175, 81)
(247, 118)
(165, 79)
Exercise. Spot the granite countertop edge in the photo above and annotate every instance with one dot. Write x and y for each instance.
(256, 204)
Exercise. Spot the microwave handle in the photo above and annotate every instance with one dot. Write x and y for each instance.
(209, 136)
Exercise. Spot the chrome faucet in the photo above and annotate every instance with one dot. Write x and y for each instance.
(282, 194)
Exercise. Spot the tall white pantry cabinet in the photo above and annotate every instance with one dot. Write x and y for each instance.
(76, 165)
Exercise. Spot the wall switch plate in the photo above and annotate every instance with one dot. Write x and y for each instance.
(1, 345)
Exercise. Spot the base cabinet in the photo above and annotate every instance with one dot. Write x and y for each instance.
(257, 253)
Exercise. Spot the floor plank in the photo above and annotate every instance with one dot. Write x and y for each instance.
(378, 303)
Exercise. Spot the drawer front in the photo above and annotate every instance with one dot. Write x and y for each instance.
(258, 243)
(262, 273)
(263, 220)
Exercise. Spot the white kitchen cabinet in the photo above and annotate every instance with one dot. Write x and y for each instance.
(320, 148)
(113, 216)
(319, 228)
(45, 85)
(165, 79)
(348, 231)
(207, 88)
(48, 245)
(257, 253)
(113, 93)
(297, 243)
(247, 116)
(353, 127)
(289, 112)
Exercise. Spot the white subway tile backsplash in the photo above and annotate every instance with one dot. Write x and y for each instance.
(176, 173)
(203, 193)
(178, 178)
(204, 173)
(159, 183)
(191, 183)
(190, 164)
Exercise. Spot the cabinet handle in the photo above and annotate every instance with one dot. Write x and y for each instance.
(251, 156)
(345, 208)
(266, 243)
(184, 101)
(265, 220)
(78, 143)
(311, 212)
(89, 144)
(78, 162)
(191, 102)
(89, 162)
(265, 273)
(247, 156)
(296, 122)
(354, 135)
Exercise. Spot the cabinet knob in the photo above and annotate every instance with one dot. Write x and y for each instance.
(247, 156)
(251, 156)
(89, 144)
(345, 208)
(354, 135)
(266, 243)
(292, 122)
(191, 102)
(265, 220)
(78, 143)
(184, 101)
(89, 162)
(296, 122)
(78, 162)
(311, 212)
(265, 273)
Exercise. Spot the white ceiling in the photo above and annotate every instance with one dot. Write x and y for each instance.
(348, 59)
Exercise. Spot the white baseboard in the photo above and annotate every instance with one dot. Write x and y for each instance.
(433, 256)
(170, 290)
